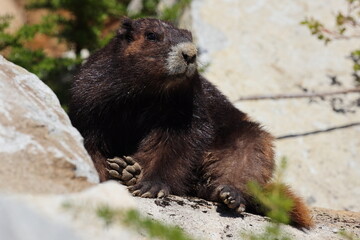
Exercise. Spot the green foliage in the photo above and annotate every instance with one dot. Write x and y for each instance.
(203, 67)
(173, 13)
(276, 204)
(273, 198)
(83, 27)
(152, 228)
(78, 24)
(50, 69)
(24, 34)
(272, 232)
(347, 26)
(66, 205)
(355, 57)
(148, 9)
(348, 236)
(107, 214)
(316, 28)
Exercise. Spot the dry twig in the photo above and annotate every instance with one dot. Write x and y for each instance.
(297, 95)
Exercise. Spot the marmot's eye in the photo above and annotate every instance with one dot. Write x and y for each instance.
(151, 36)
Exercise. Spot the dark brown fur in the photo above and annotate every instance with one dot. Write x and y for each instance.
(187, 137)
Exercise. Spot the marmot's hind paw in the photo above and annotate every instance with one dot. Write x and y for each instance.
(150, 189)
(125, 170)
(231, 197)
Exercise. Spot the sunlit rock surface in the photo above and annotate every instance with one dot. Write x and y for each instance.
(258, 47)
(40, 152)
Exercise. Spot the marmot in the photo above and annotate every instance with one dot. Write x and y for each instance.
(140, 100)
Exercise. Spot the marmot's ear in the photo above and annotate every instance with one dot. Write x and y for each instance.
(126, 28)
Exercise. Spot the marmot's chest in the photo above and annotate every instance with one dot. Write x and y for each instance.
(145, 119)
(134, 124)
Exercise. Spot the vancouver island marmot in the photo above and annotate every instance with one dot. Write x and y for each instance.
(140, 100)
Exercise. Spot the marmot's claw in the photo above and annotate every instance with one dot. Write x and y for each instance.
(136, 193)
(231, 197)
(146, 195)
(241, 208)
(132, 182)
(150, 189)
(224, 195)
(114, 173)
(129, 160)
(126, 176)
(162, 194)
(131, 169)
(125, 170)
(114, 165)
(120, 162)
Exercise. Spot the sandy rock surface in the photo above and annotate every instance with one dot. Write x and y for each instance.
(206, 220)
(75, 217)
(40, 152)
(259, 47)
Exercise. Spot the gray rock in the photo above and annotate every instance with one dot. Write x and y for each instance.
(135, 7)
(20, 222)
(40, 152)
(66, 216)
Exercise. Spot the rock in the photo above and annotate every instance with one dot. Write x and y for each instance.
(163, 5)
(40, 152)
(259, 47)
(70, 216)
(19, 222)
(206, 220)
(134, 7)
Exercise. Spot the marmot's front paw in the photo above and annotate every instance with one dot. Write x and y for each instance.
(231, 197)
(150, 189)
(125, 170)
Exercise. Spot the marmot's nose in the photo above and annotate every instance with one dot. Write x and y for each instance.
(189, 57)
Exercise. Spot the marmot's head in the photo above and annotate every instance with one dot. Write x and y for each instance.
(157, 50)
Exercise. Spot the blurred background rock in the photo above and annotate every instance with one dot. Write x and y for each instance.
(260, 47)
